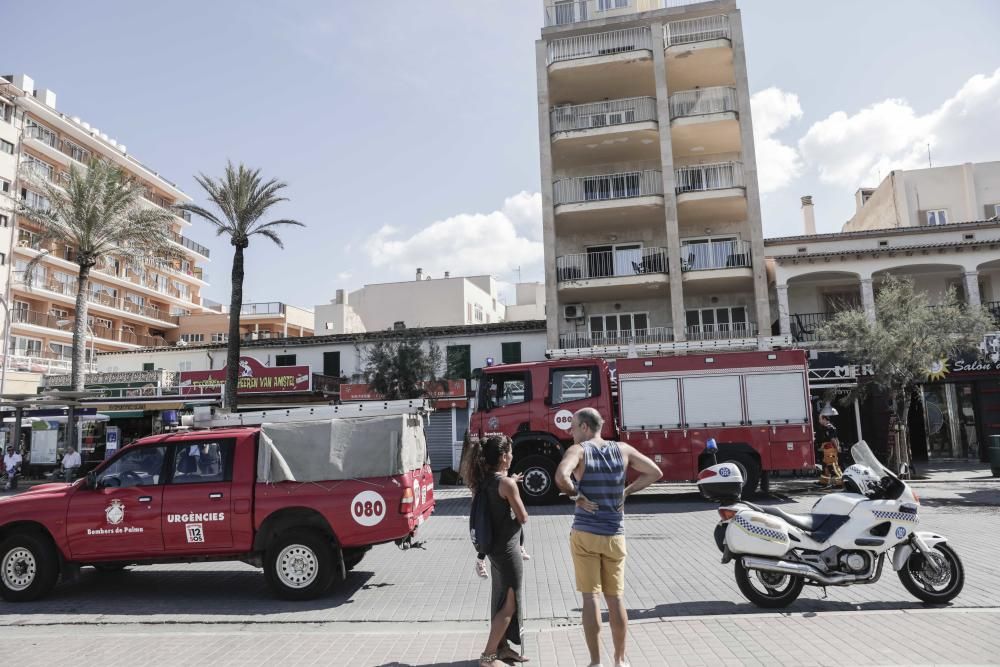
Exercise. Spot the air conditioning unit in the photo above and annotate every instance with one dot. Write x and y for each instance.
(573, 311)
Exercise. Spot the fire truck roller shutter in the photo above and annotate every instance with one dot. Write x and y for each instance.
(777, 398)
(649, 403)
(712, 400)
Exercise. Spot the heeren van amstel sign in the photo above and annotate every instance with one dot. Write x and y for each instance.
(253, 378)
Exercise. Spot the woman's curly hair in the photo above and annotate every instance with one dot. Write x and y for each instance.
(481, 458)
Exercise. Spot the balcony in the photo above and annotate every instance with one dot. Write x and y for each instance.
(190, 245)
(715, 255)
(66, 287)
(704, 121)
(48, 321)
(710, 192)
(605, 132)
(567, 12)
(699, 52)
(624, 338)
(722, 331)
(635, 196)
(36, 361)
(614, 65)
(805, 326)
(611, 274)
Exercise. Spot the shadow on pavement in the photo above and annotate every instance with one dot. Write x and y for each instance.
(724, 607)
(973, 498)
(143, 592)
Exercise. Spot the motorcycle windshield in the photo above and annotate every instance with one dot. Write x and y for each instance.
(863, 455)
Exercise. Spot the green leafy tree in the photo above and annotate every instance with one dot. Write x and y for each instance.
(908, 337)
(99, 213)
(242, 198)
(404, 367)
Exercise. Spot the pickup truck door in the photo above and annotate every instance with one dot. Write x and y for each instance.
(121, 516)
(197, 498)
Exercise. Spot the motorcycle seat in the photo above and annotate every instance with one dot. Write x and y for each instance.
(806, 522)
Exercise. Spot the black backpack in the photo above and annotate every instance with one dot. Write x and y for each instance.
(480, 523)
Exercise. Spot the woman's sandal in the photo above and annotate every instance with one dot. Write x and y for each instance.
(488, 660)
(507, 654)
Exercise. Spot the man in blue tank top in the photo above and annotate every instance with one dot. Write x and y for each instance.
(592, 473)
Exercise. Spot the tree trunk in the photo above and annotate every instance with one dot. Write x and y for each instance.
(233, 347)
(904, 440)
(78, 372)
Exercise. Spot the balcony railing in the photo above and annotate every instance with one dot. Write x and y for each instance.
(702, 29)
(600, 44)
(704, 177)
(34, 318)
(805, 326)
(49, 321)
(563, 12)
(68, 288)
(603, 114)
(189, 244)
(608, 186)
(611, 264)
(703, 101)
(728, 254)
(624, 337)
(30, 361)
(994, 308)
(721, 331)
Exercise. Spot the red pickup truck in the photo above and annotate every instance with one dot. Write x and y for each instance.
(226, 494)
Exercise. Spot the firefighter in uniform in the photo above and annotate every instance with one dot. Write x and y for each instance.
(830, 449)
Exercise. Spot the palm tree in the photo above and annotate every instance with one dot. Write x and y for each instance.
(243, 198)
(98, 212)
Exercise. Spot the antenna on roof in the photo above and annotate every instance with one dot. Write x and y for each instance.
(929, 156)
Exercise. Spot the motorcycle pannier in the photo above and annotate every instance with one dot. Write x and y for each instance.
(757, 533)
(721, 483)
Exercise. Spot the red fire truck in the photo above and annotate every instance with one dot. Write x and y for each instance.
(755, 404)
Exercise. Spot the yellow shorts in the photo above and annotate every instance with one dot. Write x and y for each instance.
(599, 561)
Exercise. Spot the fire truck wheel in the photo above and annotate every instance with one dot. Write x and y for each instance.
(29, 567)
(299, 565)
(750, 469)
(539, 484)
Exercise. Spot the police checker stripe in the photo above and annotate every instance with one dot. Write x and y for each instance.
(896, 516)
(760, 531)
(196, 516)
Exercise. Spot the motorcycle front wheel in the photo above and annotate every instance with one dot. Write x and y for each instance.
(919, 577)
(770, 590)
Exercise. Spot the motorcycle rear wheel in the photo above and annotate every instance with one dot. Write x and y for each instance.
(931, 587)
(769, 590)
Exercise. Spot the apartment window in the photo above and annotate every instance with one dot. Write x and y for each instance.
(836, 302)
(39, 168)
(60, 351)
(510, 353)
(4, 185)
(605, 5)
(618, 328)
(3, 258)
(459, 362)
(22, 308)
(478, 312)
(992, 211)
(937, 217)
(713, 253)
(220, 338)
(183, 365)
(193, 338)
(4, 220)
(148, 366)
(35, 200)
(99, 323)
(331, 364)
(60, 313)
(284, 360)
(41, 133)
(709, 321)
(6, 147)
(6, 112)
(27, 347)
(76, 152)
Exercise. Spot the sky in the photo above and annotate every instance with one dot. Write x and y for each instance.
(408, 132)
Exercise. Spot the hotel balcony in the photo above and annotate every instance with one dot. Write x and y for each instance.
(605, 132)
(709, 192)
(632, 198)
(615, 64)
(699, 52)
(46, 323)
(704, 121)
(623, 338)
(612, 274)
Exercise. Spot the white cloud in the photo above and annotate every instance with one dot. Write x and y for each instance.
(777, 163)
(496, 243)
(852, 151)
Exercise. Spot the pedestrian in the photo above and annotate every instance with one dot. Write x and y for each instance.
(592, 473)
(485, 468)
(830, 449)
(70, 463)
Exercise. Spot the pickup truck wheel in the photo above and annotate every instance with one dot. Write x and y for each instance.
(29, 567)
(299, 565)
(539, 484)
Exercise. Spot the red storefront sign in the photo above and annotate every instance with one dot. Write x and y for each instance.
(253, 378)
(451, 395)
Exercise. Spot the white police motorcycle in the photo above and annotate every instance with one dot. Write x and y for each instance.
(844, 540)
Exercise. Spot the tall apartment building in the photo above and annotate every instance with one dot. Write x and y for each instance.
(127, 310)
(650, 202)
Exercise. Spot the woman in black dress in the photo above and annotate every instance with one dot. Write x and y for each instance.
(485, 468)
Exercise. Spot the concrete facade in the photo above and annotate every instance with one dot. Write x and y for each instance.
(257, 321)
(650, 202)
(424, 302)
(127, 309)
(929, 197)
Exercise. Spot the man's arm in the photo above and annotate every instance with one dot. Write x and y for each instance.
(648, 471)
(570, 461)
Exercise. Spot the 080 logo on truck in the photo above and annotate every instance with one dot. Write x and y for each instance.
(564, 419)
(368, 508)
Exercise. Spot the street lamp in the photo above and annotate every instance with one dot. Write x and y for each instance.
(6, 343)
